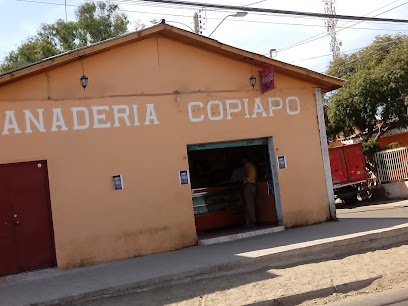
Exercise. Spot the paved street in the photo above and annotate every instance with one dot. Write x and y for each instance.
(331, 281)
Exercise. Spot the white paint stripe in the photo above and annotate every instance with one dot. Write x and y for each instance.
(325, 152)
(275, 179)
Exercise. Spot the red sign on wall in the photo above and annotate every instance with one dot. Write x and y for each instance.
(267, 79)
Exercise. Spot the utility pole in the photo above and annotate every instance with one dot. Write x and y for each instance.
(199, 22)
(196, 24)
(331, 24)
(66, 16)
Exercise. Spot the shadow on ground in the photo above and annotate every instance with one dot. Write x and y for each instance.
(177, 293)
(168, 294)
(221, 258)
(320, 293)
(229, 251)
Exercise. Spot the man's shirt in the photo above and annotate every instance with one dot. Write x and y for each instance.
(250, 173)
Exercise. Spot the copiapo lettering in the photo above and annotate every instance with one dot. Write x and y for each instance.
(217, 110)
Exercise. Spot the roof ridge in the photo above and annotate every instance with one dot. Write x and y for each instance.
(164, 30)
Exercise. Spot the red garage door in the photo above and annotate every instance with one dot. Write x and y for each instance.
(26, 235)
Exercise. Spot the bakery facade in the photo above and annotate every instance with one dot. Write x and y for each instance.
(146, 157)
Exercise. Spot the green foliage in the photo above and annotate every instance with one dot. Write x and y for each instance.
(370, 147)
(375, 94)
(393, 145)
(29, 52)
(95, 22)
(99, 22)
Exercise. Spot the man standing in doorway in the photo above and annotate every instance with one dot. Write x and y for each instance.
(249, 191)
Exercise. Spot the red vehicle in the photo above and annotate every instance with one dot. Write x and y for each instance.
(348, 170)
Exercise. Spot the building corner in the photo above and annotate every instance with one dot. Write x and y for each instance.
(325, 153)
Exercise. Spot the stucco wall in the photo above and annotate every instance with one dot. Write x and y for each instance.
(401, 139)
(92, 222)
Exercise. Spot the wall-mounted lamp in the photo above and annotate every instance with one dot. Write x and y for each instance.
(177, 93)
(252, 81)
(84, 81)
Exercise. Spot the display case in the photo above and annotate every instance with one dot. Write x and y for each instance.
(210, 200)
(217, 207)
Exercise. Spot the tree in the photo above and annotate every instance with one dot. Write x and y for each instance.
(375, 94)
(95, 22)
(30, 51)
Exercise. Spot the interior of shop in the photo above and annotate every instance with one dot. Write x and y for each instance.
(217, 175)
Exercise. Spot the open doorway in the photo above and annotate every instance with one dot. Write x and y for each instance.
(217, 177)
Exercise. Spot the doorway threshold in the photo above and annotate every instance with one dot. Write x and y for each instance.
(231, 234)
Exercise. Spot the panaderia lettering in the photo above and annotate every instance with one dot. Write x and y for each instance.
(122, 115)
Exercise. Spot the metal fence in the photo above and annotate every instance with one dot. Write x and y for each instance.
(392, 165)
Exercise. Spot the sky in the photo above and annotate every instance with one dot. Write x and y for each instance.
(254, 32)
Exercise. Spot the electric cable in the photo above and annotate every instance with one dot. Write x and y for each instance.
(158, 4)
(253, 21)
(268, 11)
(165, 5)
(274, 11)
(372, 53)
(321, 35)
(214, 18)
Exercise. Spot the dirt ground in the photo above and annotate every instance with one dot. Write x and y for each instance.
(331, 280)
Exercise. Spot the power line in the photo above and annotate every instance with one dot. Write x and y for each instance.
(318, 56)
(230, 20)
(145, 4)
(343, 53)
(307, 25)
(372, 52)
(255, 2)
(254, 21)
(252, 3)
(273, 11)
(321, 35)
(305, 41)
(249, 4)
(121, 10)
(176, 7)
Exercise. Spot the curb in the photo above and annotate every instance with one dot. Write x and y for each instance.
(284, 256)
(248, 234)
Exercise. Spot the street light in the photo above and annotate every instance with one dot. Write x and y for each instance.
(155, 21)
(238, 14)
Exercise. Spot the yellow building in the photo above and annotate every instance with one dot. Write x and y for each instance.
(158, 102)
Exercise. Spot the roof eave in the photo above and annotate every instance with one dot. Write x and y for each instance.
(71, 56)
(327, 83)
